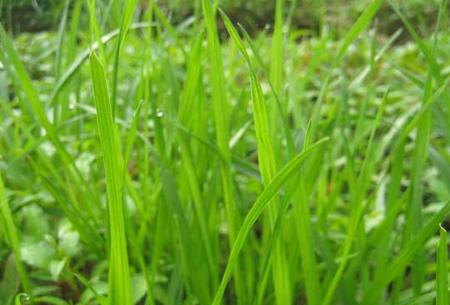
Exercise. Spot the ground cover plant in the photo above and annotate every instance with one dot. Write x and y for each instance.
(146, 159)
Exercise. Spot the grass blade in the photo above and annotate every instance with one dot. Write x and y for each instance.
(258, 207)
(221, 123)
(442, 269)
(119, 274)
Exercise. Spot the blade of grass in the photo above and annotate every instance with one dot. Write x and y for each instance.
(267, 164)
(258, 207)
(442, 269)
(221, 123)
(119, 274)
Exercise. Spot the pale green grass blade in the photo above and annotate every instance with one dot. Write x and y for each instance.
(268, 166)
(258, 207)
(119, 274)
(221, 124)
(442, 269)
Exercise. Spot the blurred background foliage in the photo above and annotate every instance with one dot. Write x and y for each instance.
(255, 15)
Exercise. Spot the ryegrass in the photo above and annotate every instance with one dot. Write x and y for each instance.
(151, 161)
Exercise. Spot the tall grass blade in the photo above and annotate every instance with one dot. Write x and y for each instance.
(442, 269)
(119, 274)
(221, 124)
(258, 207)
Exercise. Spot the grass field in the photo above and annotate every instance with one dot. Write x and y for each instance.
(145, 161)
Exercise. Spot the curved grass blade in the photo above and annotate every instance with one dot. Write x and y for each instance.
(258, 207)
(268, 166)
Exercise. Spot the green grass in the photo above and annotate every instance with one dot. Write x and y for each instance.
(119, 290)
(442, 269)
(154, 162)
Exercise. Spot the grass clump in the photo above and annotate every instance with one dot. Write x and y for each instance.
(147, 161)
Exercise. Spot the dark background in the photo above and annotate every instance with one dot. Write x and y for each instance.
(256, 15)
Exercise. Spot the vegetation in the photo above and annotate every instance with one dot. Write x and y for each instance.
(154, 160)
